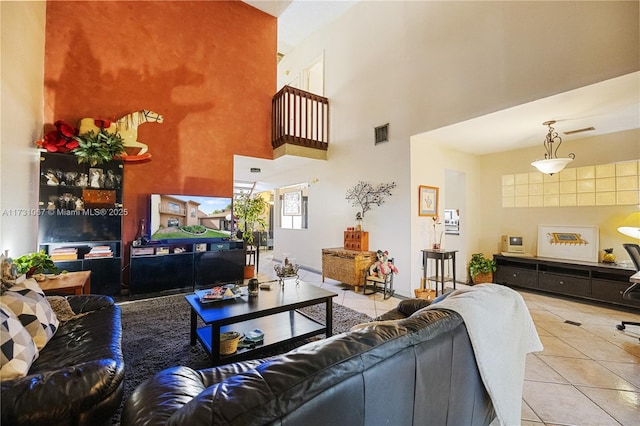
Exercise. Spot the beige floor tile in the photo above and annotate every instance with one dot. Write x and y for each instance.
(586, 372)
(556, 346)
(528, 414)
(562, 329)
(624, 406)
(531, 423)
(541, 330)
(544, 315)
(627, 341)
(564, 405)
(601, 350)
(628, 371)
(537, 370)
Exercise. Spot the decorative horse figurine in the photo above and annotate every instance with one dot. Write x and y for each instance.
(127, 127)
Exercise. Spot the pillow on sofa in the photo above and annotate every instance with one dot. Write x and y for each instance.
(28, 303)
(62, 309)
(17, 348)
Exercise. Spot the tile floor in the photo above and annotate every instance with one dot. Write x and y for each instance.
(587, 374)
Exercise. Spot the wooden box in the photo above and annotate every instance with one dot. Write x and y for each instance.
(99, 197)
(356, 240)
(346, 266)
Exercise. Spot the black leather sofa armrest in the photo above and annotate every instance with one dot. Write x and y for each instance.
(64, 394)
(405, 309)
(89, 302)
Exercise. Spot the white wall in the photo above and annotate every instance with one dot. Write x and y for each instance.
(423, 65)
(22, 84)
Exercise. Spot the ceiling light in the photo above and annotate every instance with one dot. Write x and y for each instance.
(631, 226)
(551, 163)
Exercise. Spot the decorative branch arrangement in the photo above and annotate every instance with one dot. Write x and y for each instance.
(365, 195)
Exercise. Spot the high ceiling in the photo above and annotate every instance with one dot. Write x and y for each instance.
(609, 106)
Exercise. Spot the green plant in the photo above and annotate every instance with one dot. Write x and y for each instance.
(481, 265)
(249, 211)
(97, 148)
(35, 263)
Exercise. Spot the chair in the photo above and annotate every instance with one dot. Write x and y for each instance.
(633, 291)
(382, 283)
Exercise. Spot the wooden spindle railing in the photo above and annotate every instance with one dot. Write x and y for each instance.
(299, 118)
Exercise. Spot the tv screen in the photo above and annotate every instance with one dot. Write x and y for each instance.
(190, 218)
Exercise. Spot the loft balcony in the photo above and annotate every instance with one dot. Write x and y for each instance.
(299, 124)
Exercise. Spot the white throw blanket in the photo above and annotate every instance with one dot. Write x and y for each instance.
(502, 333)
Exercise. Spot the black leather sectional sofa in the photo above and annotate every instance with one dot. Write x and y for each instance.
(418, 370)
(77, 378)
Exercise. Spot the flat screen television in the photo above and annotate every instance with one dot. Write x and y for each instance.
(190, 218)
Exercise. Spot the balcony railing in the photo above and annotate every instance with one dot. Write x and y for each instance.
(299, 118)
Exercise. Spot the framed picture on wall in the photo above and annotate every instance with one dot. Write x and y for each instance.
(292, 203)
(568, 242)
(427, 200)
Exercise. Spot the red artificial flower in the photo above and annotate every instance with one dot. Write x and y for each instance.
(61, 139)
(65, 129)
(102, 124)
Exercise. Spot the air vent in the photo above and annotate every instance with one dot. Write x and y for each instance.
(382, 133)
(586, 129)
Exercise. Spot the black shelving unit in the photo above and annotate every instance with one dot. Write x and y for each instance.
(80, 209)
(162, 267)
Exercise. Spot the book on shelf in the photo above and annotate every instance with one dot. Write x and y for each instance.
(64, 256)
(64, 253)
(95, 255)
(99, 251)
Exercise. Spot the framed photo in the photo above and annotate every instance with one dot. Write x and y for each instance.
(96, 178)
(292, 203)
(568, 242)
(427, 200)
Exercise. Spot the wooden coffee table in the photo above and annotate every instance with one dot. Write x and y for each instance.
(273, 311)
(70, 282)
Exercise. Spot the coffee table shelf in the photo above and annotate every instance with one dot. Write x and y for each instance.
(285, 327)
(274, 311)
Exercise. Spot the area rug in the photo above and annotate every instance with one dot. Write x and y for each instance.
(155, 336)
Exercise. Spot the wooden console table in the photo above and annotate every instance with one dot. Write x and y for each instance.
(346, 266)
(71, 282)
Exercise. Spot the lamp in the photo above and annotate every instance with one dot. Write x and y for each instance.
(552, 164)
(631, 225)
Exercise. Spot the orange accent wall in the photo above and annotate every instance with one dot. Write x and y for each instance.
(208, 67)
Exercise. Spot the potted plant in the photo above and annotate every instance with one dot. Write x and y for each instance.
(35, 263)
(97, 148)
(481, 269)
(249, 211)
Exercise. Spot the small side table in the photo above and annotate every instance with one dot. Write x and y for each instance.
(440, 256)
(71, 282)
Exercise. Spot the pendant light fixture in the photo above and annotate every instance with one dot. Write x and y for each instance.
(551, 163)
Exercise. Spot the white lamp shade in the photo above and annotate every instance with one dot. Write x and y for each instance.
(631, 226)
(551, 165)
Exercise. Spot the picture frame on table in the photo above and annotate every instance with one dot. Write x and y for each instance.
(427, 200)
(569, 242)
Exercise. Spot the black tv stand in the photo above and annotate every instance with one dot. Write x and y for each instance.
(160, 267)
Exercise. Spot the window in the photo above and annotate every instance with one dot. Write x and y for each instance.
(293, 207)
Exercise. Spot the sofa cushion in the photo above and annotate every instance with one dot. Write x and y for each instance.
(28, 303)
(17, 348)
(62, 309)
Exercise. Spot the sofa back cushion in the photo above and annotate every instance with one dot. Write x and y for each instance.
(17, 348)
